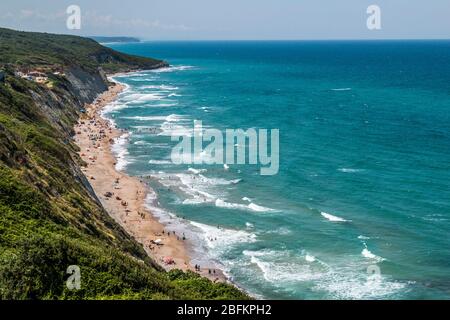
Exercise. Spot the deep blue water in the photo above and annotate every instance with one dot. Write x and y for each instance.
(364, 137)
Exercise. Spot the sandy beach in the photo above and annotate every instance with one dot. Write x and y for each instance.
(124, 196)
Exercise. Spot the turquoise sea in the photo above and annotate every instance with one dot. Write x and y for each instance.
(360, 208)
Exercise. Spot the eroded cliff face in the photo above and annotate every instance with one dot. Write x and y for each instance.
(63, 106)
(85, 85)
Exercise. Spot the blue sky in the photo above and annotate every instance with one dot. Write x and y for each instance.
(234, 19)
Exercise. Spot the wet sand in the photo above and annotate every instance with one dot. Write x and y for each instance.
(124, 196)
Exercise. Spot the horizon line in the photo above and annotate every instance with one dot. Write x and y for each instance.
(143, 39)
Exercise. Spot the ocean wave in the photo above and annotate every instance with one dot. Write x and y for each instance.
(142, 97)
(148, 79)
(196, 171)
(113, 107)
(366, 253)
(141, 143)
(169, 118)
(332, 218)
(172, 69)
(223, 239)
(199, 189)
(280, 231)
(286, 270)
(120, 151)
(146, 118)
(160, 87)
(350, 170)
(163, 105)
(358, 286)
(251, 206)
(281, 268)
(169, 128)
(195, 187)
(160, 162)
(341, 89)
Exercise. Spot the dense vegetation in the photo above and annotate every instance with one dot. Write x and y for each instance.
(42, 49)
(49, 218)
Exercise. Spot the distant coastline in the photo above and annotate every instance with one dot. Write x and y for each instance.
(102, 39)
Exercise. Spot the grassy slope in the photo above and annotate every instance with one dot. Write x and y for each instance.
(48, 218)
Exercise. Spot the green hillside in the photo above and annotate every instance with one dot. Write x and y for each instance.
(43, 49)
(49, 217)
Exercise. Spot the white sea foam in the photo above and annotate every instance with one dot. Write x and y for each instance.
(163, 105)
(169, 128)
(172, 69)
(345, 284)
(147, 79)
(146, 118)
(280, 268)
(141, 143)
(199, 189)
(223, 239)
(350, 170)
(120, 151)
(196, 188)
(142, 97)
(332, 218)
(285, 270)
(258, 208)
(280, 231)
(366, 253)
(250, 207)
(342, 89)
(169, 118)
(160, 162)
(160, 87)
(196, 171)
(113, 107)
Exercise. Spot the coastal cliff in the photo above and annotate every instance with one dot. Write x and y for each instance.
(50, 218)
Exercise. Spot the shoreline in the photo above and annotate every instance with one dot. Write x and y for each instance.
(123, 196)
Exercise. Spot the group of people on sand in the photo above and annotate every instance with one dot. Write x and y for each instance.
(199, 269)
(175, 234)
